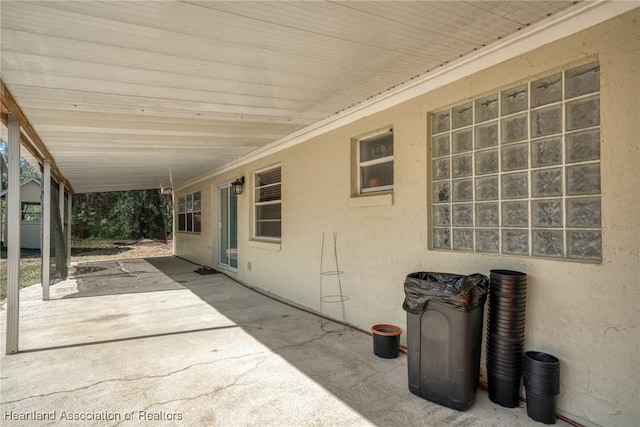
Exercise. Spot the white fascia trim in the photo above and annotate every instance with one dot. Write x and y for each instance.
(573, 20)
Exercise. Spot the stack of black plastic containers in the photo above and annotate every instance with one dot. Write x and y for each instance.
(505, 335)
(542, 384)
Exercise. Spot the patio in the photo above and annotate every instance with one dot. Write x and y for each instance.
(146, 340)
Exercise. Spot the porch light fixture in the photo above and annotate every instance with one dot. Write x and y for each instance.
(237, 186)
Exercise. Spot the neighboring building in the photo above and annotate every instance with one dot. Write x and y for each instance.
(30, 213)
(529, 165)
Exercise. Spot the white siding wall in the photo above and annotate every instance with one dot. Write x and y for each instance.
(30, 234)
(30, 192)
(29, 230)
(586, 314)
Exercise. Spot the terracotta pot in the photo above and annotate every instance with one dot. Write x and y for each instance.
(386, 340)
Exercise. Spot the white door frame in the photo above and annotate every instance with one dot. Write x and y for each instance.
(224, 254)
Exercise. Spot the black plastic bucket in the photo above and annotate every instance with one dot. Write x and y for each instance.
(541, 407)
(499, 306)
(503, 390)
(513, 330)
(510, 315)
(505, 368)
(541, 374)
(508, 275)
(386, 340)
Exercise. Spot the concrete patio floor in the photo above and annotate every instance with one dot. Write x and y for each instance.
(150, 341)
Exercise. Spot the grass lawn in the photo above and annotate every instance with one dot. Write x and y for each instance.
(29, 269)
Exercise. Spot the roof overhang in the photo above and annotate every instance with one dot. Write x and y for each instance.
(163, 94)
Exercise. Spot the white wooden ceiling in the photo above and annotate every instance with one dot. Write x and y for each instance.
(144, 94)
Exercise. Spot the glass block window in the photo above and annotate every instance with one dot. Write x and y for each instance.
(190, 213)
(518, 171)
(268, 204)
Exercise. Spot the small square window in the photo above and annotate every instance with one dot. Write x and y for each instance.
(268, 204)
(190, 213)
(31, 211)
(375, 163)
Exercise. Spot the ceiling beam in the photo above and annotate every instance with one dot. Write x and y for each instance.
(29, 138)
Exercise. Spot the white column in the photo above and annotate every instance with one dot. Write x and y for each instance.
(68, 229)
(13, 236)
(174, 225)
(46, 229)
(3, 230)
(61, 202)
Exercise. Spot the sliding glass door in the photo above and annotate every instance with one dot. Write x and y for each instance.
(227, 227)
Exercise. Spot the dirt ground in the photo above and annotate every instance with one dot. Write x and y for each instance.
(108, 250)
(83, 251)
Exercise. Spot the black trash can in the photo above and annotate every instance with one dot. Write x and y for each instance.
(444, 336)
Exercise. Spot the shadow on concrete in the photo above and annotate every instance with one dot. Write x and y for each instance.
(342, 362)
(141, 337)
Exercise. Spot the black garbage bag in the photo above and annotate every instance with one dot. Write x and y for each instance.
(463, 293)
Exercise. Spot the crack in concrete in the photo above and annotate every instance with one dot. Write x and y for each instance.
(144, 377)
(284, 347)
(377, 373)
(212, 392)
(363, 380)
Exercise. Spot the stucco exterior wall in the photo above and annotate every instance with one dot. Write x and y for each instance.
(585, 314)
(198, 247)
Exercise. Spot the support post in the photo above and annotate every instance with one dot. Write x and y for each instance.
(3, 206)
(13, 236)
(68, 229)
(174, 226)
(61, 202)
(46, 229)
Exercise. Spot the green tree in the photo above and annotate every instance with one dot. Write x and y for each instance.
(122, 215)
(26, 170)
(112, 215)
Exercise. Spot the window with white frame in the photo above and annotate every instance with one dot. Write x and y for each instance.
(31, 211)
(190, 213)
(518, 171)
(268, 204)
(375, 163)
